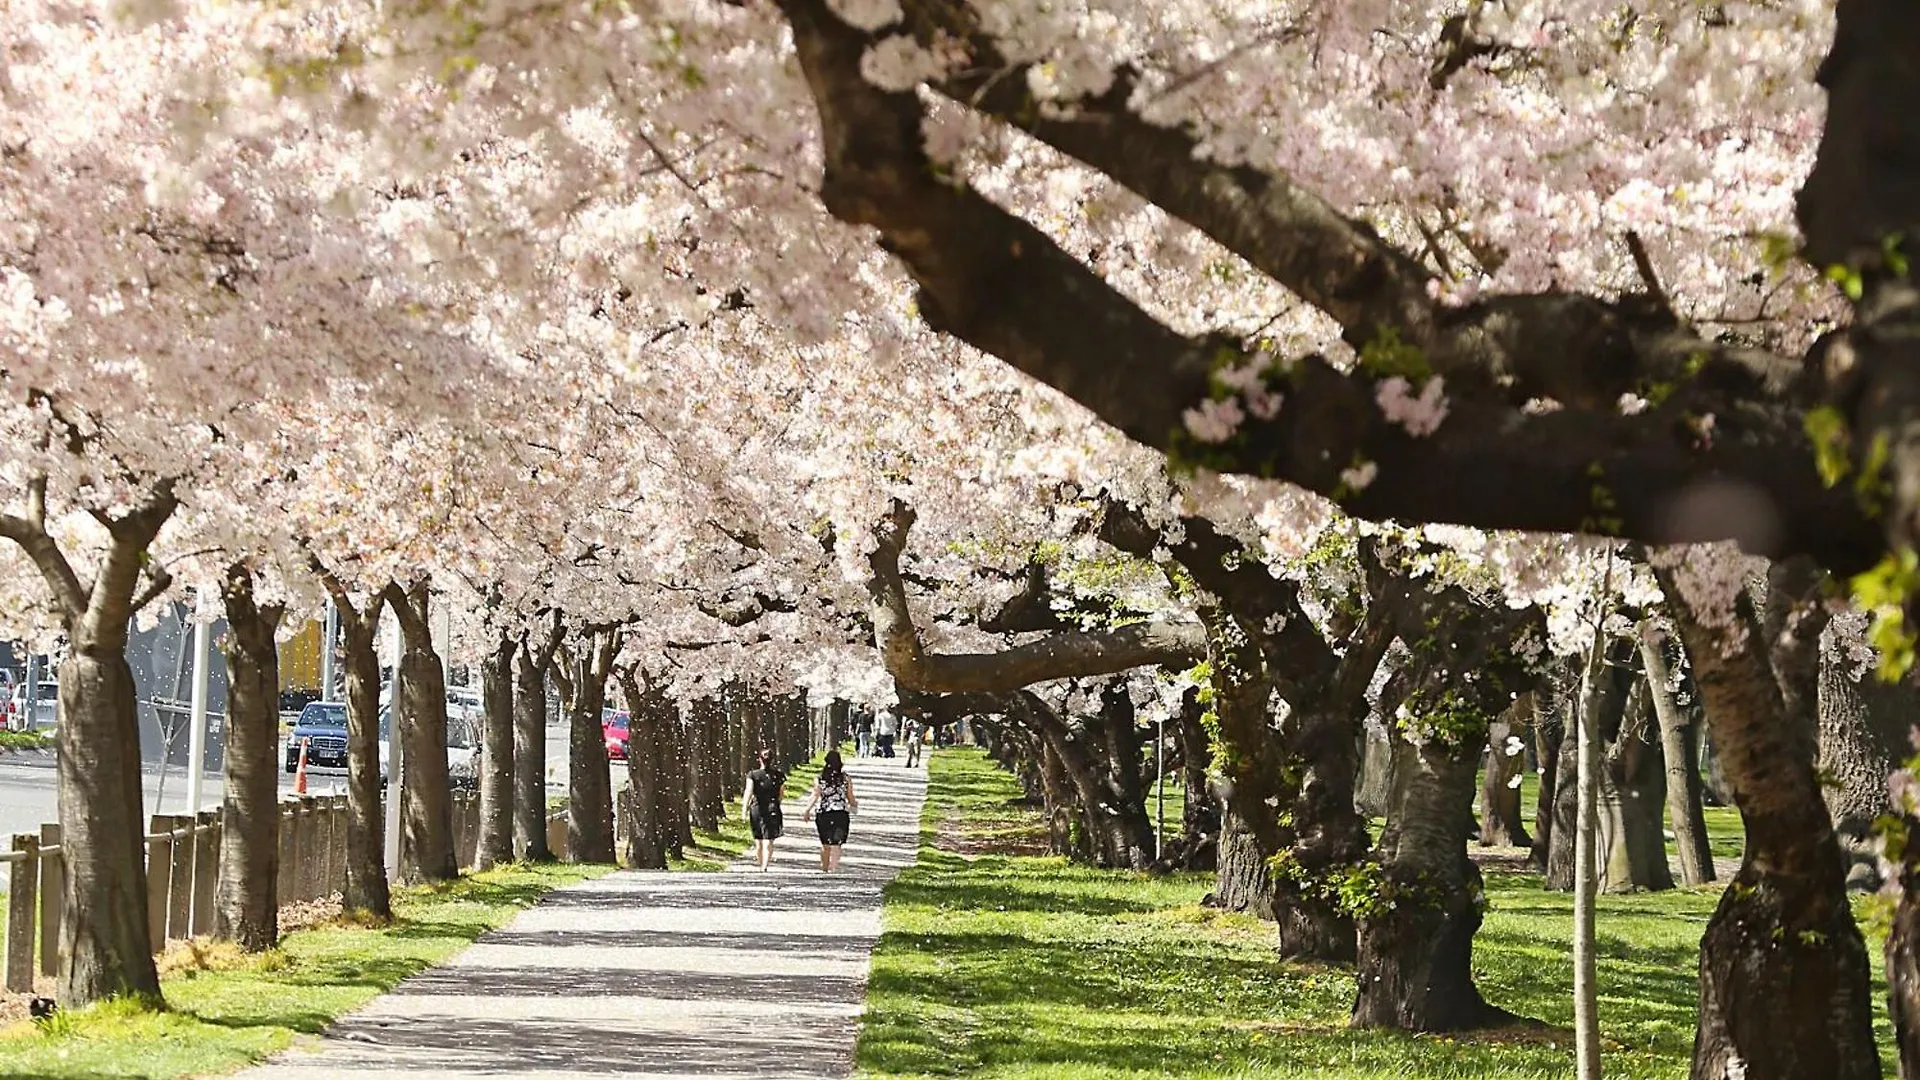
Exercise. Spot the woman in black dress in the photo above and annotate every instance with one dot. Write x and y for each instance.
(766, 786)
(833, 794)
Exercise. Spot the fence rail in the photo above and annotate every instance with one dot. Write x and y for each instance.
(183, 864)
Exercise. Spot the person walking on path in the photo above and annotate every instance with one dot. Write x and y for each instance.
(884, 728)
(916, 738)
(833, 794)
(863, 734)
(766, 786)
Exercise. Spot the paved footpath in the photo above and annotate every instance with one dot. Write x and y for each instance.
(652, 974)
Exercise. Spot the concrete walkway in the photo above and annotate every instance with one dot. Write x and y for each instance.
(652, 974)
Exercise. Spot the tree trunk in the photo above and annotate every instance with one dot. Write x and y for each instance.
(1549, 731)
(104, 944)
(426, 807)
(1783, 969)
(1374, 794)
(1243, 882)
(1903, 961)
(1862, 722)
(530, 752)
(1200, 811)
(1633, 791)
(1611, 702)
(246, 904)
(676, 814)
(1679, 752)
(1499, 793)
(646, 832)
(1415, 966)
(590, 785)
(704, 764)
(496, 754)
(367, 891)
(1057, 798)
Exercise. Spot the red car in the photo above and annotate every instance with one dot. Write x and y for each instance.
(614, 727)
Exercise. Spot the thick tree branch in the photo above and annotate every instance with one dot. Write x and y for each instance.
(1721, 454)
(1058, 656)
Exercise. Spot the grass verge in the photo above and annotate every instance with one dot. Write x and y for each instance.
(227, 1010)
(24, 740)
(997, 966)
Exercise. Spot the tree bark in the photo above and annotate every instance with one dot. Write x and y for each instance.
(590, 786)
(496, 753)
(426, 807)
(530, 743)
(1679, 751)
(1549, 731)
(1611, 703)
(1783, 969)
(1415, 966)
(367, 891)
(1243, 882)
(1862, 724)
(676, 813)
(1374, 792)
(1500, 824)
(646, 831)
(1633, 791)
(246, 904)
(1058, 800)
(704, 764)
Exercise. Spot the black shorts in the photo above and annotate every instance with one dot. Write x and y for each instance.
(833, 827)
(766, 825)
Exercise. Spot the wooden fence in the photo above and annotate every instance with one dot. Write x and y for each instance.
(183, 863)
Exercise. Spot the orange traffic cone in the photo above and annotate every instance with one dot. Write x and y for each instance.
(300, 771)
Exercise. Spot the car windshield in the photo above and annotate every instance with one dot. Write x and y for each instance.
(323, 714)
(617, 721)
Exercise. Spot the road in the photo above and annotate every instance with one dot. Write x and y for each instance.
(27, 786)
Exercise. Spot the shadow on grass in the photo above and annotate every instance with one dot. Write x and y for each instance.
(1014, 966)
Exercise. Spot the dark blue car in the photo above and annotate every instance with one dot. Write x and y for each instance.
(323, 724)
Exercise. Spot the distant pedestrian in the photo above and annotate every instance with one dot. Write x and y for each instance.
(766, 786)
(884, 729)
(833, 794)
(863, 734)
(916, 739)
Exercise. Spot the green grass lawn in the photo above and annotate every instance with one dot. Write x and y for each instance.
(999, 966)
(231, 1010)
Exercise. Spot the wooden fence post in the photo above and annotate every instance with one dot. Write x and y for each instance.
(53, 898)
(337, 849)
(159, 876)
(180, 878)
(206, 870)
(284, 879)
(23, 879)
(307, 826)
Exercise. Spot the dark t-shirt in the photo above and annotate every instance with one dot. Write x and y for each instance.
(766, 789)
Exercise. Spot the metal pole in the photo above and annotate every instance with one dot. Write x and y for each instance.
(28, 721)
(396, 761)
(197, 714)
(329, 627)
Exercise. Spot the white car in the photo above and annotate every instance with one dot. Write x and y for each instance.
(45, 712)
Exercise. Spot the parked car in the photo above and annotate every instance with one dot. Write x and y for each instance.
(614, 727)
(324, 725)
(45, 711)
